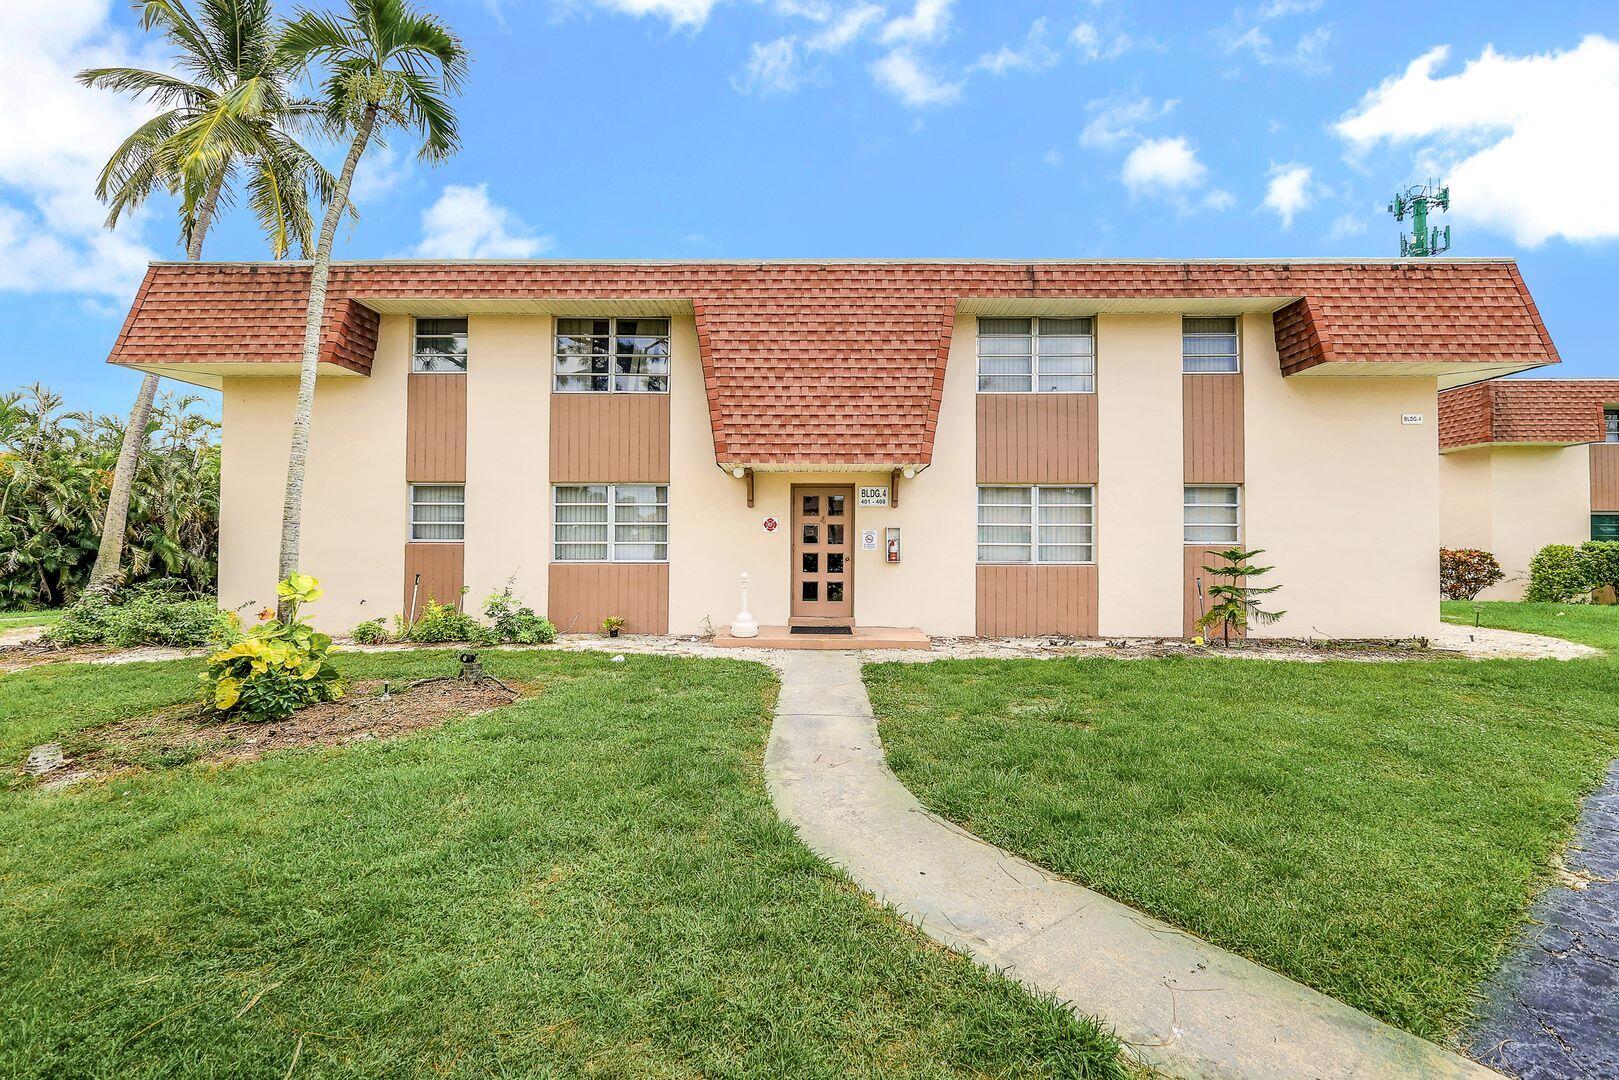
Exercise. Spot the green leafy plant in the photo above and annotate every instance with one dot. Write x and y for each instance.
(1557, 576)
(1466, 572)
(612, 625)
(438, 624)
(516, 623)
(279, 667)
(150, 615)
(370, 632)
(1599, 561)
(1235, 599)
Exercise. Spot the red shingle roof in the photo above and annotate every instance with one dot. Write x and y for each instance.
(1557, 411)
(844, 362)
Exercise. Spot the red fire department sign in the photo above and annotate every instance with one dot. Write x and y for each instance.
(771, 524)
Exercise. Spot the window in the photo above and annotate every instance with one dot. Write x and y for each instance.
(438, 512)
(617, 356)
(441, 347)
(1050, 356)
(1212, 515)
(1610, 425)
(612, 523)
(1036, 524)
(1605, 526)
(1209, 346)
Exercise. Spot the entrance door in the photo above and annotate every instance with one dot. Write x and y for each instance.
(823, 556)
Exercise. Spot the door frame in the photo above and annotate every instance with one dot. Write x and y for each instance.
(793, 555)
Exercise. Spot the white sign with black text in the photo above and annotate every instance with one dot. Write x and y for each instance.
(868, 539)
(1411, 419)
(873, 496)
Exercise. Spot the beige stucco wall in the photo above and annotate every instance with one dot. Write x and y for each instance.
(355, 516)
(1343, 497)
(714, 536)
(1513, 500)
(1140, 468)
(508, 448)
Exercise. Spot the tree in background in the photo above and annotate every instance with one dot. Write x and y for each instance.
(1466, 572)
(1236, 601)
(54, 465)
(228, 113)
(385, 66)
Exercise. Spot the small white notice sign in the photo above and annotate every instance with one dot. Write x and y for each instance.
(868, 539)
(1411, 418)
(873, 496)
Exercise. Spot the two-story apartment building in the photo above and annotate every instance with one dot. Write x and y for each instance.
(994, 448)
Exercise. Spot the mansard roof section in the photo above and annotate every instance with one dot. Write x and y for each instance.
(1547, 412)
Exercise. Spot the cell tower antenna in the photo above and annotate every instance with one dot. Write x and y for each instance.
(1416, 200)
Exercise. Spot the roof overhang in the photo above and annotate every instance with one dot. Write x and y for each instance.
(584, 305)
(822, 466)
(1449, 374)
(1523, 444)
(1057, 307)
(212, 376)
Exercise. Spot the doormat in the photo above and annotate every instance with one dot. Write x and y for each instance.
(844, 630)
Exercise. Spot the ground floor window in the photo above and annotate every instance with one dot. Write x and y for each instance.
(438, 512)
(1212, 515)
(611, 523)
(1605, 526)
(1036, 525)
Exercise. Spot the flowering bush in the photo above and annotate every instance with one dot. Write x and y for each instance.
(1466, 572)
(279, 667)
(1556, 576)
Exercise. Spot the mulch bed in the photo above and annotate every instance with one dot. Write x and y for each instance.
(185, 734)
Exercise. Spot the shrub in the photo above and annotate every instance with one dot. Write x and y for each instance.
(370, 632)
(278, 668)
(145, 616)
(1466, 572)
(84, 623)
(1599, 562)
(515, 623)
(441, 624)
(1556, 576)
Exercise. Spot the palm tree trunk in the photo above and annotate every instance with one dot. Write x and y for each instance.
(115, 524)
(314, 318)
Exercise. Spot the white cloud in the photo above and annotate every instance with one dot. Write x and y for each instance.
(381, 171)
(772, 68)
(1116, 121)
(682, 14)
(846, 28)
(1344, 226)
(1306, 53)
(1168, 163)
(1279, 9)
(929, 20)
(1091, 45)
(1035, 55)
(466, 224)
(901, 74)
(1292, 189)
(58, 135)
(1513, 135)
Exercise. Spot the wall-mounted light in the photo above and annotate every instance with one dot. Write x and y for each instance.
(739, 472)
(910, 473)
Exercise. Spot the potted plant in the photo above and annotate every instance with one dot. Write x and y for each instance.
(612, 624)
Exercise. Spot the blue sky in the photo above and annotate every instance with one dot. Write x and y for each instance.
(916, 128)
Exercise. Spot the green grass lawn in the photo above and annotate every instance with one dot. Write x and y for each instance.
(1373, 830)
(21, 620)
(1596, 625)
(588, 882)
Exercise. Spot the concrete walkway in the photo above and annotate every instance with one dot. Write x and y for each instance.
(1184, 1006)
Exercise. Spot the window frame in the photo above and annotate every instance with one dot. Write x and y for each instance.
(1599, 514)
(612, 522)
(1036, 526)
(612, 336)
(1236, 321)
(1185, 506)
(412, 503)
(416, 335)
(1034, 357)
(1610, 424)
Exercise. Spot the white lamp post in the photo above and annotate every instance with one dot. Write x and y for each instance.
(743, 625)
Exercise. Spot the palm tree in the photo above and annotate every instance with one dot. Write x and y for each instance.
(227, 111)
(387, 66)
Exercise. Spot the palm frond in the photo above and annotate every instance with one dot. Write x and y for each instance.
(165, 91)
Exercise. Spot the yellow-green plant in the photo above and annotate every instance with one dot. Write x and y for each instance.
(280, 666)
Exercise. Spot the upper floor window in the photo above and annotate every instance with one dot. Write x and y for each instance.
(1212, 515)
(612, 356)
(1610, 425)
(1048, 356)
(1209, 345)
(611, 523)
(441, 347)
(438, 512)
(1036, 525)
(1605, 526)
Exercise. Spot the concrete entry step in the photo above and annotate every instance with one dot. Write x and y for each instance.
(864, 637)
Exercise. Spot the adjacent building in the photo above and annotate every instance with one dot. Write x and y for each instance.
(1525, 463)
(991, 448)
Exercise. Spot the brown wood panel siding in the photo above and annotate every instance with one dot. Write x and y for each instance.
(1196, 559)
(443, 570)
(581, 595)
(436, 429)
(1212, 419)
(1026, 601)
(1037, 438)
(1605, 477)
(609, 438)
